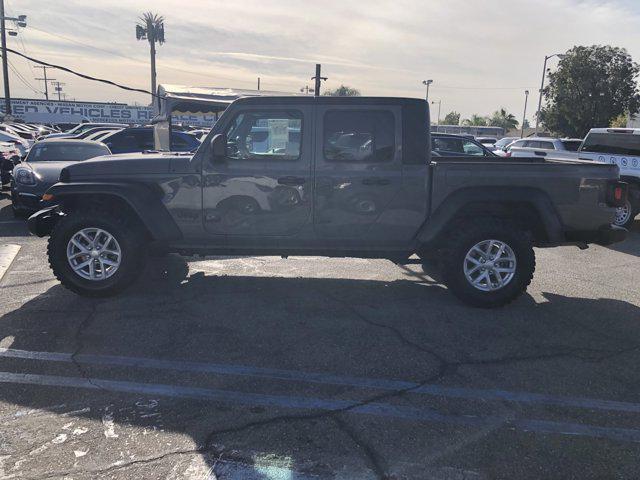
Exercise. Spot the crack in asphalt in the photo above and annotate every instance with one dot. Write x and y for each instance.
(86, 322)
(377, 462)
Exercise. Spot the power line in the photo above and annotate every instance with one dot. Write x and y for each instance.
(78, 74)
(23, 80)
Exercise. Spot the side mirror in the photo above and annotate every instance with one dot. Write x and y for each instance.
(218, 147)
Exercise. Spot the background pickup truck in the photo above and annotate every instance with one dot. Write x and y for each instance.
(339, 177)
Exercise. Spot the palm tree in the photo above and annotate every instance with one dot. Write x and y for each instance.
(151, 27)
(475, 121)
(501, 118)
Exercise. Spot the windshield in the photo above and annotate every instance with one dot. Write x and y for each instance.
(503, 142)
(65, 152)
(614, 143)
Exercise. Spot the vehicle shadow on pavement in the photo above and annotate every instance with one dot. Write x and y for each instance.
(631, 245)
(344, 326)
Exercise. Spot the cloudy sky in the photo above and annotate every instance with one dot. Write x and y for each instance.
(481, 54)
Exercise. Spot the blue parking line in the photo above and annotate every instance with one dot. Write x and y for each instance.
(311, 403)
(327, 379)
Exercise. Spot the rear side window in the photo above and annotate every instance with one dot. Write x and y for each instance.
(571, 145)
(614, 143)
(444, 145)
(546, 145)
(359, 136)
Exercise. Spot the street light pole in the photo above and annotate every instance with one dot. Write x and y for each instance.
(427, 83)
(524, 114)
(544, 74)
(439, 102)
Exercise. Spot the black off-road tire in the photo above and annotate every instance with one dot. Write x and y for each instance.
(129, 235)
(467, 234)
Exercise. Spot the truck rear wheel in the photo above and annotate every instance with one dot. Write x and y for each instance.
(488, 263)
(96, 253)
(625, 215)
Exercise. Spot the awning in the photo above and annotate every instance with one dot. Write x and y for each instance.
(185, 100)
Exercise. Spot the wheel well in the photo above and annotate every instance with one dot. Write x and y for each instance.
(112, 203)
(522, 214)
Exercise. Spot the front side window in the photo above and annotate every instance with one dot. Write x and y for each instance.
(359, 136)
(265, 135)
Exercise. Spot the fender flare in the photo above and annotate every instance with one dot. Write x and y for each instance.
(454, 204)
(143, 201)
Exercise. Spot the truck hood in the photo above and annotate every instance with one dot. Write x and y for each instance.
(130, 164)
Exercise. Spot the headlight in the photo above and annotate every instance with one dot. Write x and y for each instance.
(24, 177)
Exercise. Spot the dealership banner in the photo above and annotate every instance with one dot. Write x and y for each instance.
(53, 111)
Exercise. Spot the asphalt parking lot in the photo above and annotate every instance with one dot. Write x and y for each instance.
(266, 368)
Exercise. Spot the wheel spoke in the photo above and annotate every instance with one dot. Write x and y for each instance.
(79, 246)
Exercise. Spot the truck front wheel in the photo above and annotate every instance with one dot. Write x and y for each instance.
(489, 263)
(96, 253)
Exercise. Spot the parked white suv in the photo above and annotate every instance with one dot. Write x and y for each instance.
(547, 147)
(620, 146)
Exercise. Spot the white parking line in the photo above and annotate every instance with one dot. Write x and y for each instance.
(7, 253)
(407, 413)
(326, 379)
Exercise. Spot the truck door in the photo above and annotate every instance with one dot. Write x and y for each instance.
(264, 185)
(358, 167)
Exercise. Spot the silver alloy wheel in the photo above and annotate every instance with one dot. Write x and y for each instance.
(623, 214)
(94, 254)
(490, 265)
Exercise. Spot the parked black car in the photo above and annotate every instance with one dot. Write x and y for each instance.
(140, 139)
(448, 145)
(42, 167)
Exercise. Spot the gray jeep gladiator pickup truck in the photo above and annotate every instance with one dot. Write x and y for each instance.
(335, 177)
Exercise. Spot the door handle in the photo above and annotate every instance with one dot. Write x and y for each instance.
(375, 181)
(541, 154)
(291, 181)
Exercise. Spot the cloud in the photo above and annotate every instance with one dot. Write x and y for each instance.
(481, 55)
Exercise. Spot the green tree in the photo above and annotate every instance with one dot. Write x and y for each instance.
(475, 121)
(452, 118)
(619, 122)
(592, 86)
(504, 119)
(343, 91)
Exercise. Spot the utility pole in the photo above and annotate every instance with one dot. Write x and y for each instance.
(524, 114)
(58, 88)
(46, 81)
(258, 83)
(318, 78)
(151, 28)
(19, 21)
